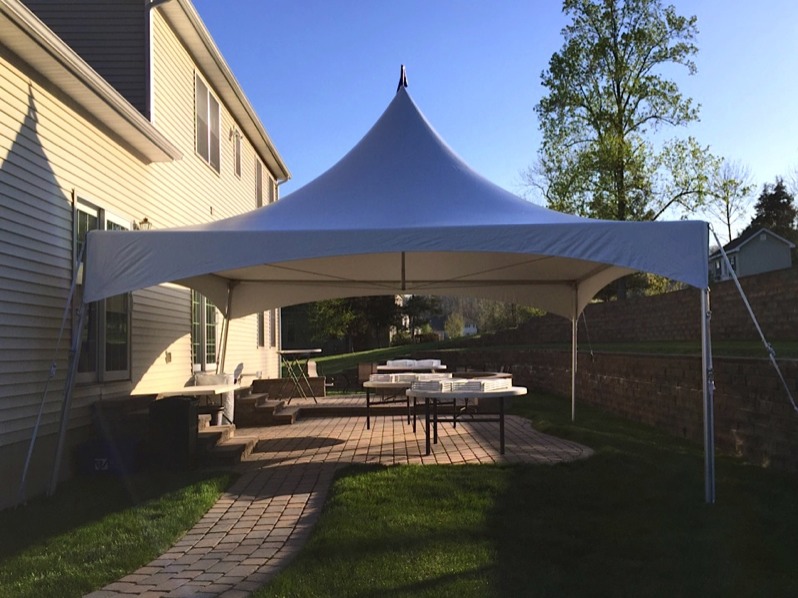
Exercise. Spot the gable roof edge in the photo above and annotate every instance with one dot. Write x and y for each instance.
(187, 24)
(35, 44)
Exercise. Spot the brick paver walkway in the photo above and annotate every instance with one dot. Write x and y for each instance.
(262, 521)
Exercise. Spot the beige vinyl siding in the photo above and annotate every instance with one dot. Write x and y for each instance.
(207, 195)
(46, 152)
(160, 325)
(52, 153)
(110, 35)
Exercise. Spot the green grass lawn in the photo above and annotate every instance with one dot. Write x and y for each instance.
(630, 521)
(95, 530)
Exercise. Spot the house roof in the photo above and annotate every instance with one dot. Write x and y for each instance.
(186, 22)
(735, 245)
(34, 43)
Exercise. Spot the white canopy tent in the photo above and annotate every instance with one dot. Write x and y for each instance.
(402, 214)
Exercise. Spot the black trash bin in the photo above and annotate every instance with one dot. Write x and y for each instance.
(173, 431)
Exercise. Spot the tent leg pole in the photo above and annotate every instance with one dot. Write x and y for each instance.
(225, 329)
(223, 352)
(69, 384)
(573, 369)
(708, 387)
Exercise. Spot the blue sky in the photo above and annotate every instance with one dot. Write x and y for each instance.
(320, 72)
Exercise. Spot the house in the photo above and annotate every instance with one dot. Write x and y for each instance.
(115, 114)
(758, 251)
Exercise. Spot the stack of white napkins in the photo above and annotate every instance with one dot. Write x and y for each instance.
(401, 363)
(428, 363)
(484, 384)
(436, 376)
(463, 384)
(440, 385)
(413, 363)
(406, 377)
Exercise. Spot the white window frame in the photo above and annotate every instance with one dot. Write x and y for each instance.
(207, 121)
(237, 153)
(274, 317)
(201, 339)
(261, 329)
(96, 327)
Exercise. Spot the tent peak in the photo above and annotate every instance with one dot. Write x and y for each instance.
(402, 79)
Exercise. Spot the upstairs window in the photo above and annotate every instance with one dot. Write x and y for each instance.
(237, 153)
(207, 123)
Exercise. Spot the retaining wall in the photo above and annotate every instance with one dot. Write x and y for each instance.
(754, 418)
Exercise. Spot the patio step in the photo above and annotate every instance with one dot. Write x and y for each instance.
(229, 452)
(285, 416)
(211, 436)
(259, 410)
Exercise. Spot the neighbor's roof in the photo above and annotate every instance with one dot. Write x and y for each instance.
(736, 244)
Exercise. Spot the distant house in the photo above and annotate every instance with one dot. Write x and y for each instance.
(115, 115)
(753, 253)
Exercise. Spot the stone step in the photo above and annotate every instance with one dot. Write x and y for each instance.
(213, 436)
(230, 452)
(285, 416)
(269, 407)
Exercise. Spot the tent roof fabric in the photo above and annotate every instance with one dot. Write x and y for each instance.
(401, 213)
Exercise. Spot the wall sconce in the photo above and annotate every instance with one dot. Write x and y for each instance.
(145, 224)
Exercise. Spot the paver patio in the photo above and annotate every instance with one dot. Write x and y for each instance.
(265, 517)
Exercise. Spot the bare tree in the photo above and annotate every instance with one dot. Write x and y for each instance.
(730, 193)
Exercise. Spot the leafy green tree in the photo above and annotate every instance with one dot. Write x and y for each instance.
(330, 319)
(373, 317)
(362, 321)
(420, 309)
(454, 325)
(605, 97)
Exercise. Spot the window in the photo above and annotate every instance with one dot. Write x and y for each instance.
(273, 328)
(207, 123)
(237, 153)
(261, 329)
(272, 191)
(203, 333)
(105, 339)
